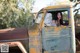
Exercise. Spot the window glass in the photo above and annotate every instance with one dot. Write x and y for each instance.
(48, 19)
(39, 18)
(65, 18)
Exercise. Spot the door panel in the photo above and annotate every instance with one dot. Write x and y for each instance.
(56, 40)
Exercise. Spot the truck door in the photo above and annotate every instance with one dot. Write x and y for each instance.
(57, 34)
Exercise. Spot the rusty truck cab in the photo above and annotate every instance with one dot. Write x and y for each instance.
(58, 38)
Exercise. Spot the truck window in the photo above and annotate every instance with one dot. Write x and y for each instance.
(65, 18)
(48, 19)
(38, 19)
(52, 18)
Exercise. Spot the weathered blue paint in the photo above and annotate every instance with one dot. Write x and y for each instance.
(56, 41)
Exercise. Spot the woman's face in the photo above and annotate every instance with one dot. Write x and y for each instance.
(59, 15)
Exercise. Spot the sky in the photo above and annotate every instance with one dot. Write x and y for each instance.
(39, 4)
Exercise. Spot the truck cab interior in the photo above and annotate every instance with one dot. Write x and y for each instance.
(53, 16)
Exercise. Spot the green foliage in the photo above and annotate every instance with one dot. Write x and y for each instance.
(12, 16)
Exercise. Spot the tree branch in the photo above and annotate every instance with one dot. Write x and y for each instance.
(76, 3)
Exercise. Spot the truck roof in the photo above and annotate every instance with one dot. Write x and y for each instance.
(58, 6)
(65, 6)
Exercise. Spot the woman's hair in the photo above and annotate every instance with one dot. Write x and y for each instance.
(61, 20)
(54, 17)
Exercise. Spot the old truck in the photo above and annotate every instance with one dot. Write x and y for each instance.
(43, 37)
(46, 38)
(15, 40)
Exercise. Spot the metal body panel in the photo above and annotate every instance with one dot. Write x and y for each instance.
(56, 41)
(13, 34)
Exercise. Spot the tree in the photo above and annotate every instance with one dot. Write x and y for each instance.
(76, 10)
(13, 16)
(74, 0)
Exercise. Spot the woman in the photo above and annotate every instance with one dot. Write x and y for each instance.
(59, 19)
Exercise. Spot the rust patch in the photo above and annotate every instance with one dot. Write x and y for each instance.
(33, 50)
